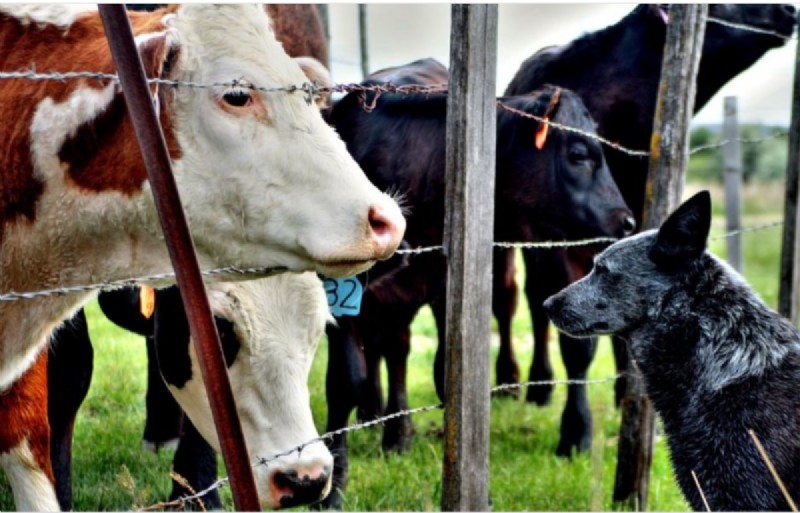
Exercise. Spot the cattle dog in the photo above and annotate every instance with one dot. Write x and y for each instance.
(716, 361)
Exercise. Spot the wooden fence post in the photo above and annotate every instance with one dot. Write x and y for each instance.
(181, 252)
(732, 156)
(469, 233)
(790, 267)
(668, 156)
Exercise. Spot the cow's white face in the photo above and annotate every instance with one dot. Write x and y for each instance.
(278, 322)
(261, 170)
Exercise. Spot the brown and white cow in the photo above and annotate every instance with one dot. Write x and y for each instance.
(264, 181)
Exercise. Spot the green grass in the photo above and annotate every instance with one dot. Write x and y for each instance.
(111, 472)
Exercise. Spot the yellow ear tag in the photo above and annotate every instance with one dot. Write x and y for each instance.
(541, 134)
(147, 301)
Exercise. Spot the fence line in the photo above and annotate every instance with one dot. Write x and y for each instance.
(312, 91)
(219, 483)
(264, 272)
(749, 28)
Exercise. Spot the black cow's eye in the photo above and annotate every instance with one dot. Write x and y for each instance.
(237, 97)
(600, 269)
(578, 153)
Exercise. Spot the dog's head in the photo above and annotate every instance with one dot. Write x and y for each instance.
(631, 277)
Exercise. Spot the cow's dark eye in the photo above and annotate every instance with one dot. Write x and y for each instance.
(237, 98)
(578, 153)
(600, 269)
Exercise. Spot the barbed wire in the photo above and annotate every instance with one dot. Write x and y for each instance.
(750, 28)
(311, 91)
(724, 142)
(263, 272)
(262, 461)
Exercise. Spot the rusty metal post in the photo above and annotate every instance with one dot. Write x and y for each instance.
(181, 251)
(469, 232)
(668, 157)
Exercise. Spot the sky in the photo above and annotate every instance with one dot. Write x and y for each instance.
(400, 33)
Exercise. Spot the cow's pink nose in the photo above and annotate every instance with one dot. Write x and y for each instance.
(293, 488)
(387, 227)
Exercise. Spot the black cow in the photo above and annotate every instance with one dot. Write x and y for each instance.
(616, 72)
(563, 190)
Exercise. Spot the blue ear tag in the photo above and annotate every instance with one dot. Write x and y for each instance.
(344, 295)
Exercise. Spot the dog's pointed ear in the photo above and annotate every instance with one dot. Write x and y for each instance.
(683, 236)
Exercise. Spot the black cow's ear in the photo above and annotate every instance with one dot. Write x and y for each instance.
(683, 236)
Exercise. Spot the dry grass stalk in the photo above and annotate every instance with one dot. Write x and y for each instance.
(772, 470)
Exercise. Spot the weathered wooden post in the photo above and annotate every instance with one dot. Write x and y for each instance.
(181, 251)
(469, 227)
(788, 300)
(732, 157)
(668, 156)
(364, 39)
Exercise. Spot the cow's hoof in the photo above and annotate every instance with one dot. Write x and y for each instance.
(576, 435)
(539, 394)
(154, 447)
(397, 435)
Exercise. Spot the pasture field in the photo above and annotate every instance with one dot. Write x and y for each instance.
(111, 472)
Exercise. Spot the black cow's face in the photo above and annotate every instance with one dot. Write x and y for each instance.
(557, 185)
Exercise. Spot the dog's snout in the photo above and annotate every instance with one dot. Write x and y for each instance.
(549, 305)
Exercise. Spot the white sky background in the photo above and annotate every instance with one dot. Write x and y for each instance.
(398, 34)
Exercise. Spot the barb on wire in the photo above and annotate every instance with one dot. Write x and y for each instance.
(364, 425)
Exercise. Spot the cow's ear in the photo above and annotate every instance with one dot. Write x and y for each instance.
(683, 236)
(317, 74)
(158, 53)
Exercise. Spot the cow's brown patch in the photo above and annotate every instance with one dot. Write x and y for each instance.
(23, 409)
(103, 154)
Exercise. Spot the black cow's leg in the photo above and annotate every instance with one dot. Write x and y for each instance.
(504, 304)
(537, 286)
(370, 397)
(345, 377)
(576, 421)
(69, 373)
(397, 433)
(196, 462)
(162, 426)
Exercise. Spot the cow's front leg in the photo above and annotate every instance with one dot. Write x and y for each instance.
(25, 440)
(398, 433)
(504, 304)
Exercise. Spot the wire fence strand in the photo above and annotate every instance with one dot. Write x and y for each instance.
(261, 461)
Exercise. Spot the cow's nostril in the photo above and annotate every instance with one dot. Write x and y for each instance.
(628, 225)
(291, 489)
(387, 226)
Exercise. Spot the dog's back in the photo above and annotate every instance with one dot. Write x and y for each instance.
(717, 362)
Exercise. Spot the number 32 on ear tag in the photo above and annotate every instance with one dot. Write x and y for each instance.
(344, 295)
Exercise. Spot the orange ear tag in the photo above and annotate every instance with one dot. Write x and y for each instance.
(147, 301)
(541, 134)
